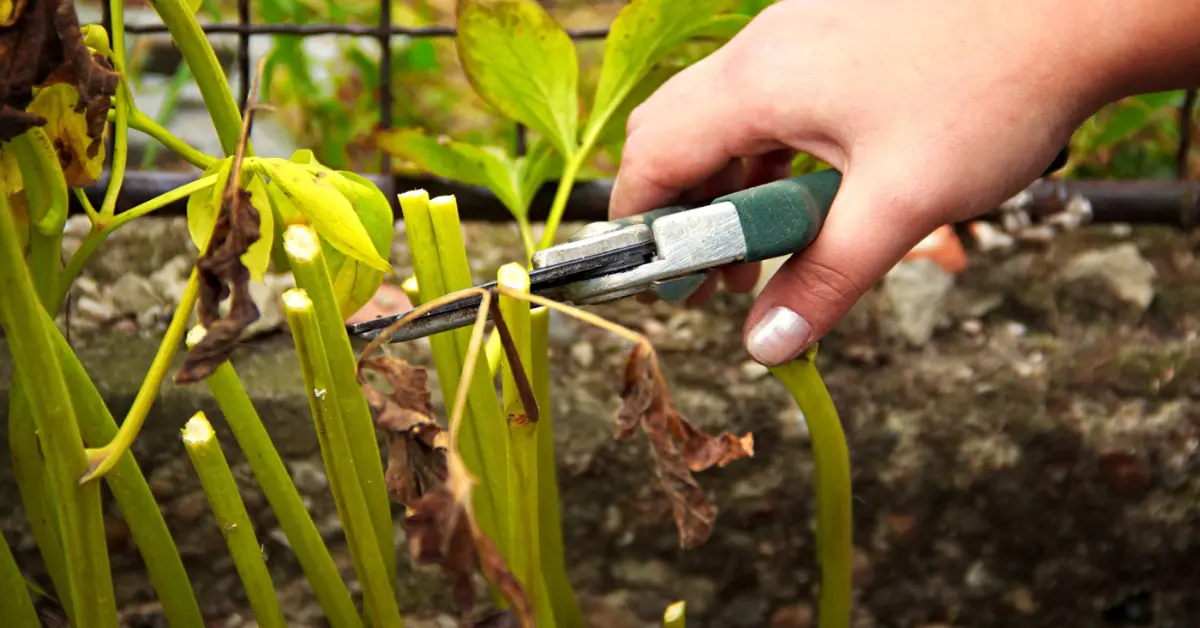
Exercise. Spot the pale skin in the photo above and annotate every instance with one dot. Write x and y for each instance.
(935, 111)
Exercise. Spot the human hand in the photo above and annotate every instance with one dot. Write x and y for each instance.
(933, 110)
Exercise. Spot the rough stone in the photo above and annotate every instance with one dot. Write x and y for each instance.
(309, 476)
(133, 294)
(1118, 273)
(915, 290)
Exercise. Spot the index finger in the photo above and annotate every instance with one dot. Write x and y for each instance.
(685, 133)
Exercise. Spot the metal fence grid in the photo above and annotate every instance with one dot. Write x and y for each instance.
(1159, 201)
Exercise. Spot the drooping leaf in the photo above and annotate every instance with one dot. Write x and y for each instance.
(522, 63)
(80, 155)
(202, 206)
(474, 165)
(327, 210)
(679, 448)
(644, 32)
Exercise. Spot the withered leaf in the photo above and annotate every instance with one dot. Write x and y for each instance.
(679, 447)
(439, 533)
(41, 42)
(223, 274)
(416, 443)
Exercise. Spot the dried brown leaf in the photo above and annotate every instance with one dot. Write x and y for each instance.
(222, 274)
(416, 443)
(679, 447)
(439, 533)
(42, 44)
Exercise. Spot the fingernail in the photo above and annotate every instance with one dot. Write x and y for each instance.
(778, 337)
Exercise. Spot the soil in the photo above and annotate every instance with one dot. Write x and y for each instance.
(1034, 463)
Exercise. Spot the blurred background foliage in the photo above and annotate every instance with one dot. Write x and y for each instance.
(326, 94)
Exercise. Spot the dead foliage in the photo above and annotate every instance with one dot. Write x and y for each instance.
(41, 44)
(679, 447)
(420, 476)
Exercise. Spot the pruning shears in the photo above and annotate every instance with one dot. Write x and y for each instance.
(668, 251)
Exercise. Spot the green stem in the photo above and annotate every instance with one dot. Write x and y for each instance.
(675, 616)
(86, 204)
(124, 103)
(285, 501)
(369, 561)
(81, 526)
(97, 235)
(210, 76)
(308, 266)
(561, 195)
(102, 460)
(16, 604)
(554, 566)
(222, 491)
(29, 469)
(422, 244)
(485, 416)
(139, 121)
(523, 434)
(835, 542)
(45, 264)
(132, 494)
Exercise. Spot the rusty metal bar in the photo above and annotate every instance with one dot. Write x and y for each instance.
(336, 29)
(243, 53)
(1167, 201)
(384, 36)
(1186, 122)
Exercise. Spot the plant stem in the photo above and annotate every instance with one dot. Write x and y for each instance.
(132, 493)
(524, 432)
(210, 77)
(16, 604)
(378, 594)
(86, 204)
(139, 121)
(835, 544)
(308, 266)
(675, 616)
(101, 460)
(562, 194)
(553, 562)
(98, 233)
(222, 491)
(79, 518)
(45, 264)
(447, 360)
(285, 501)
(486, 417)
(124, 103)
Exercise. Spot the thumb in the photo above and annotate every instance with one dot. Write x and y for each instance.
(869, 229)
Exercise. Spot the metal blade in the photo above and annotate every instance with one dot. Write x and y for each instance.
(546, 282)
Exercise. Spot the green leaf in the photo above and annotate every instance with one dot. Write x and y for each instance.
(326, 208)
(537, 167)
(202, 208)
(522, 63)
(1132, 115)
(354, 283)
(643, 34)
(614, 130)
(474, 165)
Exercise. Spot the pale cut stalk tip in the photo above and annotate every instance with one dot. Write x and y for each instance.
(195, 335)
(674, 612)
(513, 276)
(198, 430)
(296, 299)
(300, 241)
(417, 193)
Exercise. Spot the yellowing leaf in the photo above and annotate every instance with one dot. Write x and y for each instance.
(10, 12)
(258, 255)
(96, 38)
(326, 208)
(522, 63)
(644, 32)
(81, 157)
(12, 186)
(202, 205)
(466, 163)
(354, 282)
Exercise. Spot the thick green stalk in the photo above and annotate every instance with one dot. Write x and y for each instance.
(210, 77)
(285, 501)
(97, 235)
(139, 121)
(222, 491)
(81, 526)
(561, 195)
(523, 434)
(102, 460)
(132, 493)
(30, 472)
(486, 416)
(378, 593)
(422, 245)
(124, 103)
(554, 566)
(16, 605)
(675, 616)
(308, 266)
(45, 264)
(835, 544)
